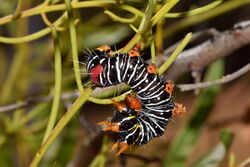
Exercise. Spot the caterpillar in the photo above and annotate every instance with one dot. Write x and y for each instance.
(143, 115)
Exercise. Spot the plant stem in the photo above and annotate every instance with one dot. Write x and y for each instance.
(193, 20)
(120, 19)
(165, 9)
(194, 11)
(60, 125)
(34, 36)
(148, 22)
(58, 85)
(72, 31)
(52, 8)
(176, 52)
(152, 48)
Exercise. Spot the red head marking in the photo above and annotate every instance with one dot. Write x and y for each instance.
(95, 72)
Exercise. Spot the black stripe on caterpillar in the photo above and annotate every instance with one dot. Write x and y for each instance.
(133, 125)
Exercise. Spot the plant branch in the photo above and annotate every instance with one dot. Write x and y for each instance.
(193, 20)
(176, 53)
(73, 41)
(57, 87)
(225, 79)
(60, 125)
(195, 11)
(220, 45)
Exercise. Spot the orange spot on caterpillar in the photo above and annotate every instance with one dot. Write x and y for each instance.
(152, 69)
(133, 53)
(104, 48)
(133, 102)
(169, 87)
(178, 109)
(110, 126)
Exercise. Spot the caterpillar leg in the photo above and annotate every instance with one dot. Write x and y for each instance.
(169, 87)
(110, 126)
(123, 146)
(119, 105)
(133, 102)
(178, 109)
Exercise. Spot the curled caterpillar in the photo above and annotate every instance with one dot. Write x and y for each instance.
(144, 116)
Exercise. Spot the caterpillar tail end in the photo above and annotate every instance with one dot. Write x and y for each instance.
(179, 109)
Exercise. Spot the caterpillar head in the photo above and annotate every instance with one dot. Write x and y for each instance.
(96, 62)
(94, 65)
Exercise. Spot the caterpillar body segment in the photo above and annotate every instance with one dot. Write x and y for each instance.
(144, 114)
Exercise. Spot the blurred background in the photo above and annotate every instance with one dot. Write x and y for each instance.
(215, 131)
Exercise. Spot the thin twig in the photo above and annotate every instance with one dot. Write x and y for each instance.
(245, 163)
(35, 100)
(225, 79)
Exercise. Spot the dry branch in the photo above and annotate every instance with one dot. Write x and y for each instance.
(220, 45)
(225, 79)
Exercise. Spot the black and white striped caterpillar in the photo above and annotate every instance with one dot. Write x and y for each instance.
(142, 116)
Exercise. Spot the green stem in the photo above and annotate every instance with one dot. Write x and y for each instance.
(152, 48)
(132, 10)
(148, 22)
(52, 8)
(33, 36)
(18, 10)
(144, 26)
(145, 23)
(193, 20)
(21, 53)
(108, 101)
(58, 85)
(194, 11)
(176, 52)
(101, 158)
(72, 31)
(120, 19)
(59, 127)
(159, 35)
(165, 9)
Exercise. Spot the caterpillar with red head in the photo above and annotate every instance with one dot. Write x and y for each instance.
(139, 118)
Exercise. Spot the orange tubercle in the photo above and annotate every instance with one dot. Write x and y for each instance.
(138, 47)
(110, 126)
(169, 87)
(178, 109)
(152, 69)
(133, 53)
(104, 48)
(133, 102)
